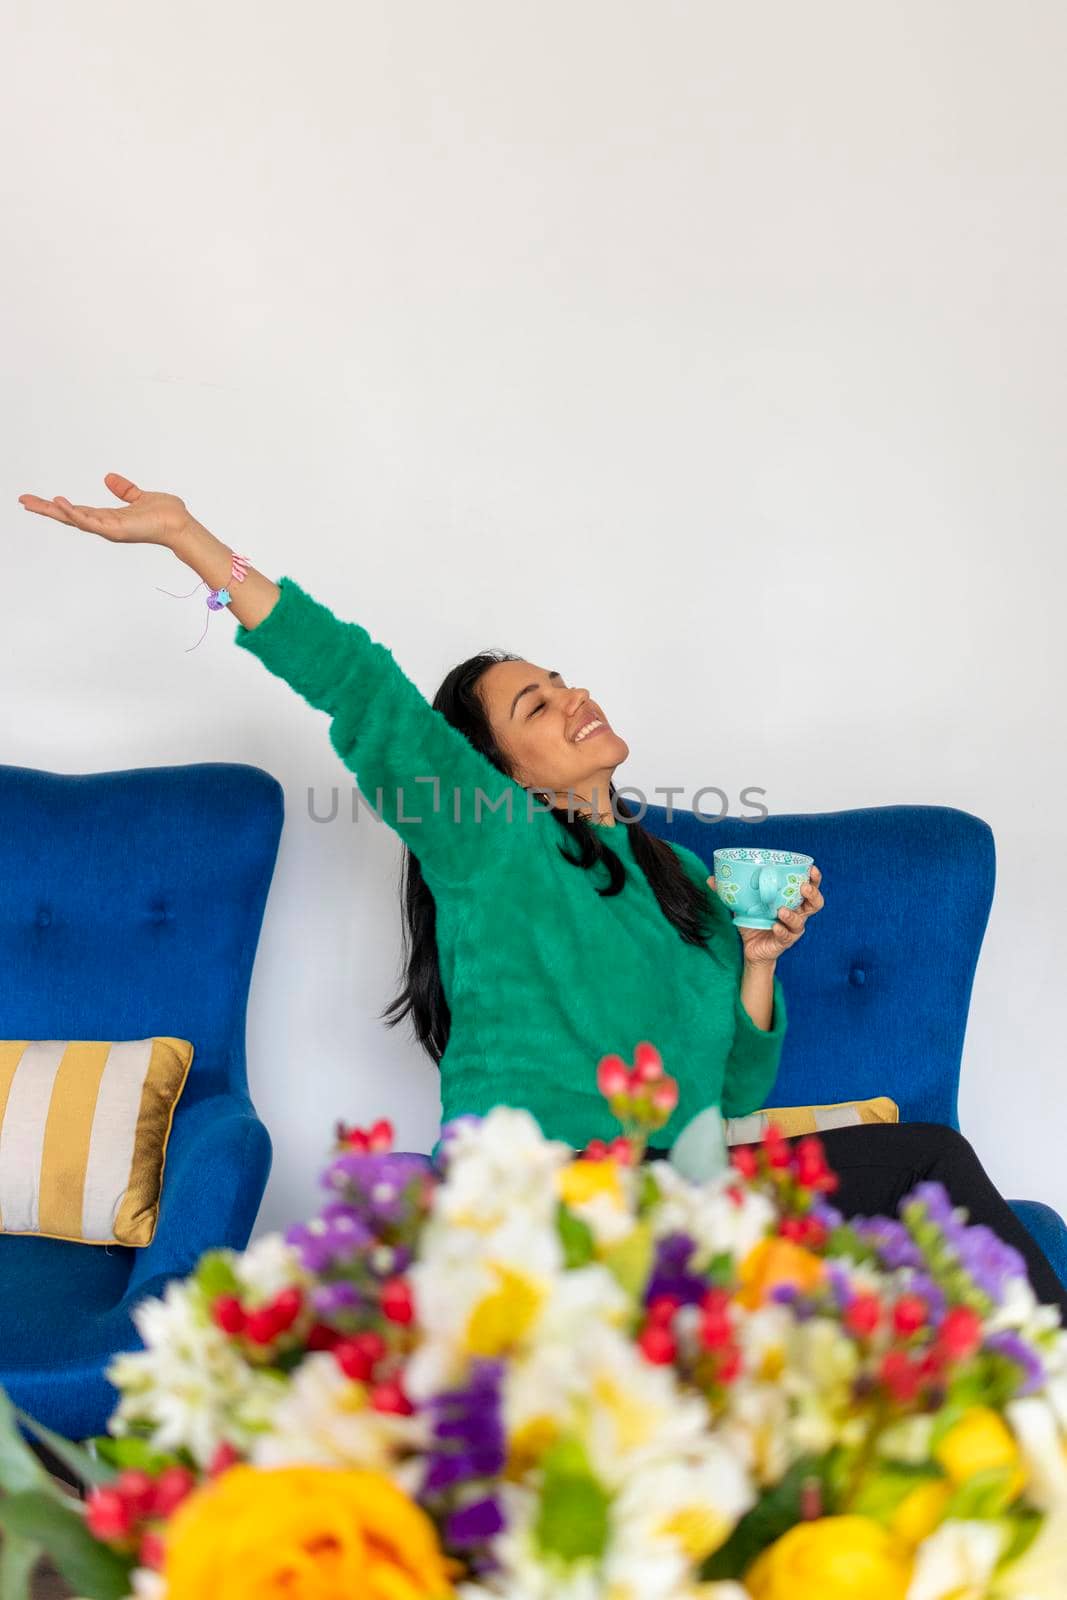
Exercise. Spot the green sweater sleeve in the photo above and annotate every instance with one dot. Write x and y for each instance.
(752, 1065)
(419, 773)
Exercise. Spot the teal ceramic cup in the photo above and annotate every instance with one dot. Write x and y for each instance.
(756, 883)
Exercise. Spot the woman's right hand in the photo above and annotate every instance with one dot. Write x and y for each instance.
(146, 518)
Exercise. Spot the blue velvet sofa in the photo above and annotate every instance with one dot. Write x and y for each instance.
(877, 990)
(130, 905)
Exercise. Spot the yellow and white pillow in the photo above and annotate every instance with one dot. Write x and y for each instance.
(84, 1126)
(794, 1121)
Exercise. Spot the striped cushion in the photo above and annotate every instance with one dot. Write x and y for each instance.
(83, 1135)
(791, 1121)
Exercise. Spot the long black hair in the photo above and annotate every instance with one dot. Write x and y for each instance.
(682, 901)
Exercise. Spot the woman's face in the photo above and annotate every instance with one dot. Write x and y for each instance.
(538, 722)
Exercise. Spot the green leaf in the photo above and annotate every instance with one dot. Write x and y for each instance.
(18, 1559)
(1023, 1525)
(576, 1236)
(880, 1494)
(630, 1261)
(572, 1519)
(19, 1467)
(91, 1569)
(132, 1451)
(984, 1495)
(215, 1275)
(74, 1456)
(773, 1514)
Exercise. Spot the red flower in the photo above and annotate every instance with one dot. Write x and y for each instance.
(378, 1137)
(901, 1377)
(228, 1314)
(863, 1315)
(612, 1076)
(358, 1356)
(909, 1315)
(960, 1333)
(108, 1515)
(287, 1306)
(152, 1551)
(648, 1064)
(657, 1344)
(810, 1165)
(776, 1148)
(744, 1160)
(396, 1300)
(172, 1486)
(389, 1396)
(261, 1326)
(663, 1308)
(138, 1490)
(223, 1459)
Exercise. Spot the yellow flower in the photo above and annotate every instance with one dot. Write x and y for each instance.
(584, 1180)
(504, 1316)
(834, 1558)
(979, 1442)
(920, 1511)
(773, 1262)
(303, 1533)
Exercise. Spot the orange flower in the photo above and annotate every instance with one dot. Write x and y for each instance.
(773, 1262)
(303, 1533)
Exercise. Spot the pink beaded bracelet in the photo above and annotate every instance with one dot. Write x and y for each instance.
(216, 598)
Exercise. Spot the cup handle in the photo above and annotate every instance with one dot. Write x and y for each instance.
(770, 882)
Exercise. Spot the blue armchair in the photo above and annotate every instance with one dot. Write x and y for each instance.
(130, 905)
(877, 995)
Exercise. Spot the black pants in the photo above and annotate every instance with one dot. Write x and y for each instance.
(878, 1163)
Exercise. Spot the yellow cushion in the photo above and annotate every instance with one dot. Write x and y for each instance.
(792, 1121)
(84, 1126)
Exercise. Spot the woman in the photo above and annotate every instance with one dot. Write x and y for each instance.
(544, 928)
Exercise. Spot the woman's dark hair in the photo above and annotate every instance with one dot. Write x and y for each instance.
(681, 900)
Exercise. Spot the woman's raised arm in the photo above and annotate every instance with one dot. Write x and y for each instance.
(447, 801)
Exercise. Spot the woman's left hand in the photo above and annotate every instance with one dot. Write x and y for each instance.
(767, 944)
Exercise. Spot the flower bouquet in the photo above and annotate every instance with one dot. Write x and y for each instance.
(541, 1374)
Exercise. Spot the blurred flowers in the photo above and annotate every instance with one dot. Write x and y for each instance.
(545, 1374)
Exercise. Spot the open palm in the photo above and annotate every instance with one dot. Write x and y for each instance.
(146, 518)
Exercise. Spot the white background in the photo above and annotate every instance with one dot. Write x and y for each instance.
(541, 325)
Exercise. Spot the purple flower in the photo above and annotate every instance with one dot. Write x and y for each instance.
(474, 1523)
(988, 1260)
(1017, 1350)
(891, 1240)
(468, 1430)
(328, 1298)
(935, 1197)
(669, 1275)
(922, 1284)
(824, 1212)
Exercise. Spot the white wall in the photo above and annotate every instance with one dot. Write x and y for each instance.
(534, 325)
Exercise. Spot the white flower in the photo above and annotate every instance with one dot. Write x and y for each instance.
(325, 1419)
(1041, 1571)
(1036, 1427)
(716, 1224)
(958, 1559)
(147, 1585)
(268, 1266)
(190, 1386)
(497, 1166)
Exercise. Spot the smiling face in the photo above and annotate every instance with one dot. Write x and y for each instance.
(556, 738)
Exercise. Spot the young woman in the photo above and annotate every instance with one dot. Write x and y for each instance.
(544, 926)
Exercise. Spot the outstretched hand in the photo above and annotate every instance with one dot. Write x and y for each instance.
(146, 518)
(767, 944)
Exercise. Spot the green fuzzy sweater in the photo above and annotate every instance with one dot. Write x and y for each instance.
(543, 975)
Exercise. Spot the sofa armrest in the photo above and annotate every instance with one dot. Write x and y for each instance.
(216, 1169)
(1048, 1228)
